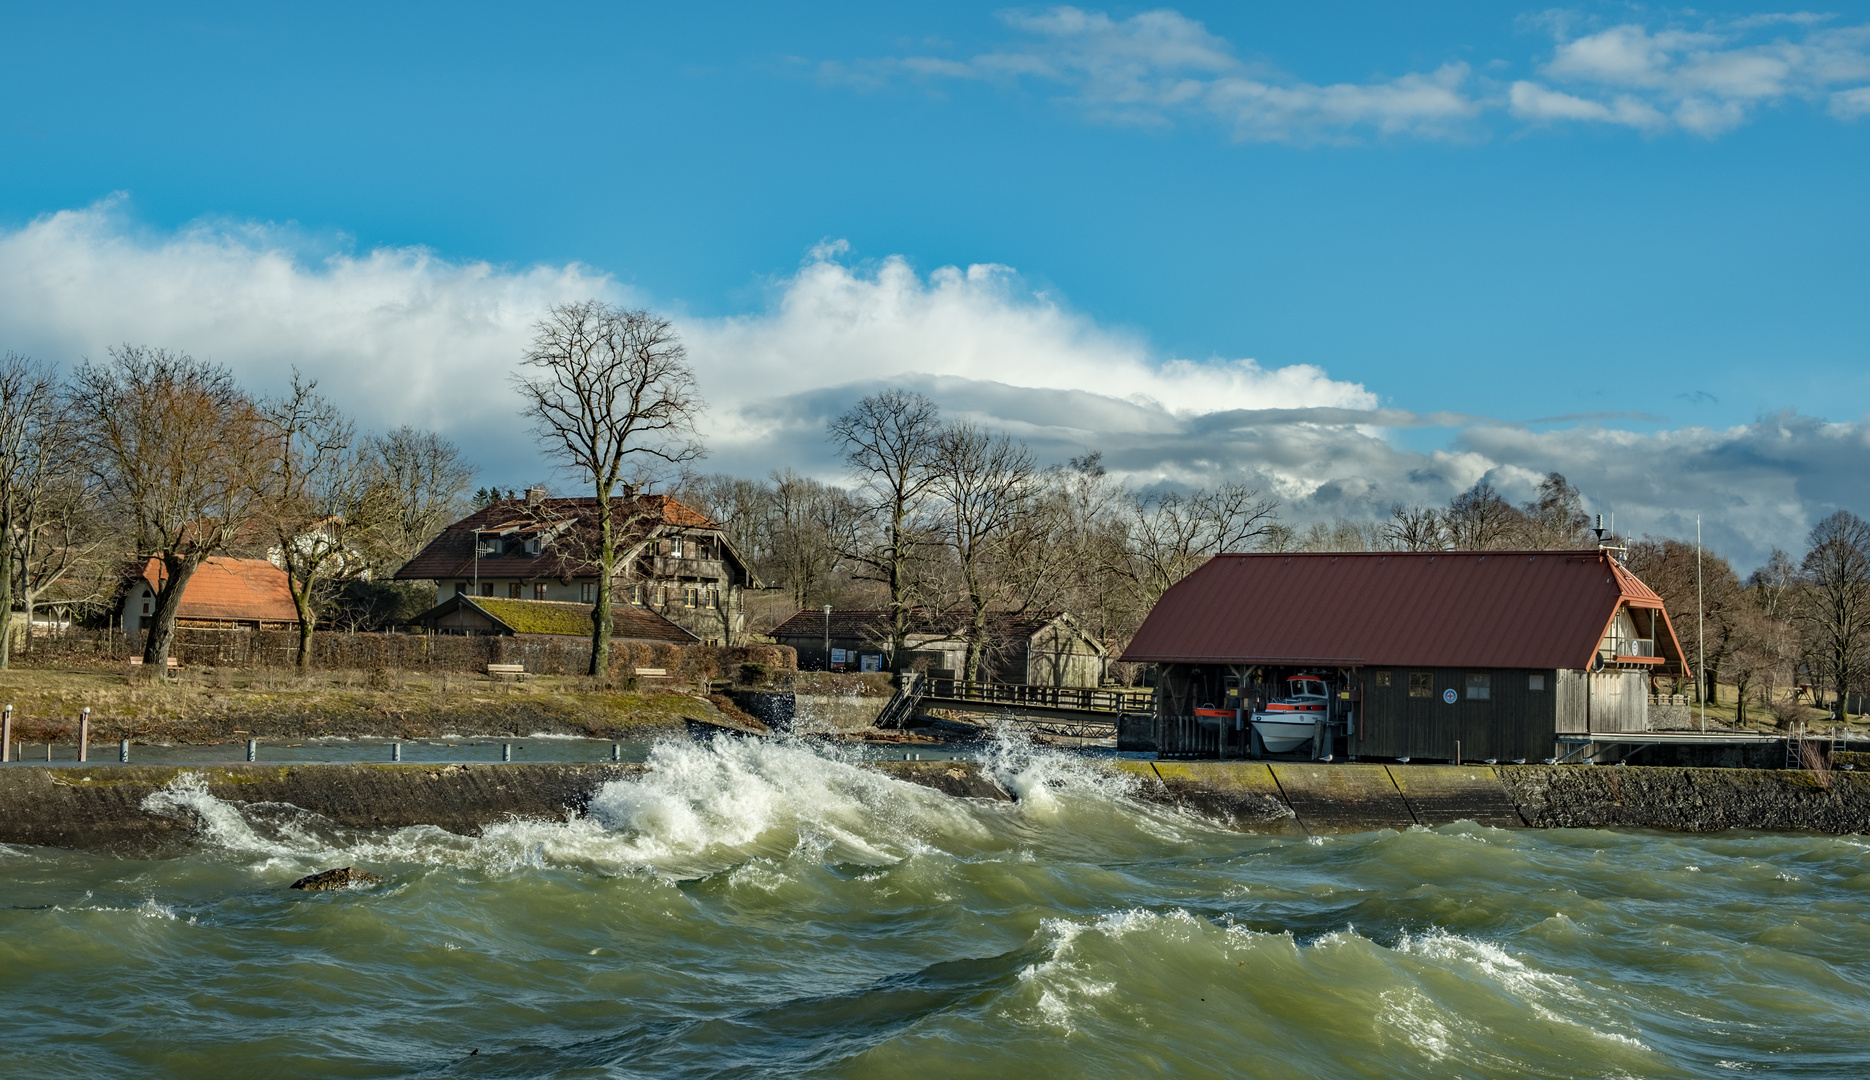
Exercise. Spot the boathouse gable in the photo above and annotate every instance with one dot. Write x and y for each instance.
(1433, 655)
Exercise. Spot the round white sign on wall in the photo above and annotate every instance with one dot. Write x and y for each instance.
(1449, 696)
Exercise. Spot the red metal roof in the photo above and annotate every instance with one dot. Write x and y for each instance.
(233, 590)
(1506, 609)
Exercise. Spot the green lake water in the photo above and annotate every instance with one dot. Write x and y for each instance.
(771, 909)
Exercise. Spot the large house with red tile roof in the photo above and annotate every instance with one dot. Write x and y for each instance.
(684, 568)
(227, 593)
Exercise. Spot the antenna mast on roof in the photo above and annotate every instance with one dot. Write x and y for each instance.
(1615, 549)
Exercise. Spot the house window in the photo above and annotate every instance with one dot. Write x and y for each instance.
(691, 596)
(587, 593)
(538, 592)
(675, 547)
(145, 607)
(1479, 687)
(1535, 683)
(486, 588)
(1383, 678)
(512, 591)
(714, 597)
(636, 594)
(1421, 684)
(460, 588)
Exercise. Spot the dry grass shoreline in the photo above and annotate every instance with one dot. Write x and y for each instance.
(201, 706)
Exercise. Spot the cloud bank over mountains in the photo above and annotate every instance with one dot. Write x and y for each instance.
(403, 336)
(1689, 72)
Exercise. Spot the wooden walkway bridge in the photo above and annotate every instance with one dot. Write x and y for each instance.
(1066, 711)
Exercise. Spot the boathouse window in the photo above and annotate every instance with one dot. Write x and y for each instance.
(587, 593)
(538, 592)
(1535, 682)
(512, 591)
(1479, 687)
(1421, 684)
(1383, 678)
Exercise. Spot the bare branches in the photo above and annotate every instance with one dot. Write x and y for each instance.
(31, 434)
(610, 387)
(888, 442)
(419, 486)
(612, 398)
(182, 452)
(319, 488)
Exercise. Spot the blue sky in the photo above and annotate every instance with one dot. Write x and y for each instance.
(1646, 221)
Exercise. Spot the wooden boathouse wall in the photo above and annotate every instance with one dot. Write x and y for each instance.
(1515, 722)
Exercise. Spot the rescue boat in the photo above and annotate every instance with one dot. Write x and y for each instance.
(1292, 721)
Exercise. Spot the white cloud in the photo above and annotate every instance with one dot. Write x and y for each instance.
(403, 336)
(1706, 79)
(1160, 66)
(1149, 68)
(1530, 101)
(394, 335)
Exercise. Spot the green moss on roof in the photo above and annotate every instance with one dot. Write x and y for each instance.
(539, 616)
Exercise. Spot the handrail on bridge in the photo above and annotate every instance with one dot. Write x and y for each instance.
(1069, 698)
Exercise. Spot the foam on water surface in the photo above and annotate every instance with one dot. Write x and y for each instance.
(766, 907)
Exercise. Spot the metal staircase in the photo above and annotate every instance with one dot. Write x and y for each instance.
(910, 689)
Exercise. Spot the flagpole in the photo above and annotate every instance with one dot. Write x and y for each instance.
(1701, 633)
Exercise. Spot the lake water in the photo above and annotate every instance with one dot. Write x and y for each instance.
(770, 909)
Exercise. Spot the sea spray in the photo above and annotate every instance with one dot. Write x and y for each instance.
(752, 908)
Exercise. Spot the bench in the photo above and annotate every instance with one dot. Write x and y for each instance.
(652, 673)
(137, 661)
(518, 671)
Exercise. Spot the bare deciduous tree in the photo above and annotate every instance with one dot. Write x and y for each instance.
(888, 441)
(1836, 611)
(988, 485)
(320, 488)
(1415, 528)
(613, 399)
(1171, 533)
(1479, 519)
(182, 453)
(419, 485)
(29, 418)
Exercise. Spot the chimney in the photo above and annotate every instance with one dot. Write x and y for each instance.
(535, 495)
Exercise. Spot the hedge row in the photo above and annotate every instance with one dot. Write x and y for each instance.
(333, 650)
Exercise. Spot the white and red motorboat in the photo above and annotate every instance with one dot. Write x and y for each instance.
(1292, 721)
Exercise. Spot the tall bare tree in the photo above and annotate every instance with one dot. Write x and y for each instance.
(1555, 518)
(807, 518)
(419, 486)
(1837, 602)
(182, 453)
(320, 513)
(28, 407)
(613, 399)
(1415, 528)
(1171, 533)
(888, 441)
(1479, 519)
(989, 488)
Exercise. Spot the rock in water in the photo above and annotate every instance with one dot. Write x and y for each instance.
(342, 878)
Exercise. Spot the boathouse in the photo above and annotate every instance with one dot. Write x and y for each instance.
(1483, 655)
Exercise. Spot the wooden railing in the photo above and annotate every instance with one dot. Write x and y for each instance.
(1073, 698)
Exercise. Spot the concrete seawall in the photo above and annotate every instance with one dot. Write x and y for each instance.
(101, 807)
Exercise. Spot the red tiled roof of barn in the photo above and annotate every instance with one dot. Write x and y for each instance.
(1500, 609)
(231, 590)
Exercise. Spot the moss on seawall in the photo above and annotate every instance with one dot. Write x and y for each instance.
(102, 807)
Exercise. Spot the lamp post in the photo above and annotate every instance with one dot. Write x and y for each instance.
(827, 637)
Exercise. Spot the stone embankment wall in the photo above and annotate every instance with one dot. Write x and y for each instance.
(101, 807)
